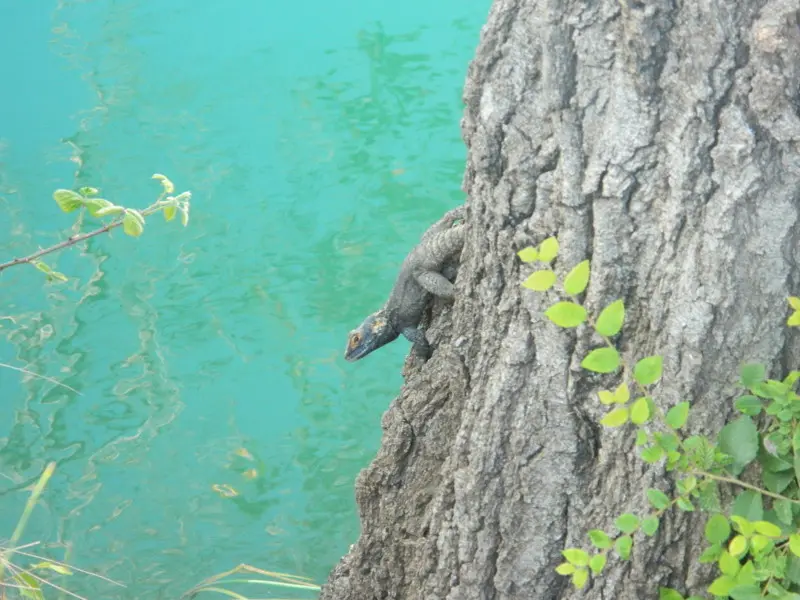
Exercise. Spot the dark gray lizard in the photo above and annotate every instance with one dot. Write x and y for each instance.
(420, 277)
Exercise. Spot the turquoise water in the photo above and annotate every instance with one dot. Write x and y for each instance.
(318, 140)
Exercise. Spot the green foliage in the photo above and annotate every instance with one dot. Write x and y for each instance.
(577, 279)
(131, 220)
(602, 360)
(677, 415)
(540, 281)
(648, 370)
(739, 440)
(616, 417)
(548, 250)
(31, 580)
(609, 323)
(528, 255)
(566, 314)
(755, 540)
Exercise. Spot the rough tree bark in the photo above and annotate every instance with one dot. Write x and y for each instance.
(660, 140)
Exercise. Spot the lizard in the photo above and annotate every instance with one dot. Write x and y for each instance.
(420, 277)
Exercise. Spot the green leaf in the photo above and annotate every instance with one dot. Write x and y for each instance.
(88, 191)
(46, 564)
(566, 314)
(601, 360)
(729, 565)
(540, 281)
(648, 370)
(687, 485)
(131, 225)
(57, 276)
(526, 255)
(749, 505)
(42, 267)
(722, 585)
(791, 378)
(68, 200)
(684, 504)
(777, 482)
(611, 318)
(641, 437)
(93, 205)
(548, 249)
(796, 452)
(109, 211)
(743, 525)
(738, 546)
(28, 586)
(599, 539)
(577, 279)
(650, 525)
(623, 546)
(136, 214)
(708, 497)
(672, 461)
(783, 510)
(758, 543)
(653, 454)
(640, 412)
(627, 523)
(597, 563)
(615, 418)
(622, 394)
(768, 529)
(710, 554)
(579, 578)
(658, 499)
(769, 461)
(794, 544)
(676, 416)
(751, 374)
(576, 556)
(746, 592)
(606, 397)
(668, 594)
(739, 440)
(170, 212)
(749, 405)
(168, 186)
(746, 574)
(718, 529)
(792, 570)
(565, 569)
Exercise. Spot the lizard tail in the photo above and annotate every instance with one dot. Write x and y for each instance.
(450, 217)
(448, 243)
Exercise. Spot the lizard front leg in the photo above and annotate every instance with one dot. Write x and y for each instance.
(421, 346)
(436, 283)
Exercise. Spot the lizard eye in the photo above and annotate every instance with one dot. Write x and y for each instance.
(355, 339)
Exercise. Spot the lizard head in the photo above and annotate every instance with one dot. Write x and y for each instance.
(373, 333)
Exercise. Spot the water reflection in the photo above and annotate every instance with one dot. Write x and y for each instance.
(218, 423)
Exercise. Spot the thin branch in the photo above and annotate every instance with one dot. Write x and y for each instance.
(37, 375)
(741, 483)
(70, 241)
(12, 567)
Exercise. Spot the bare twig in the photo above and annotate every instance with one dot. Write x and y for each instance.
(37, 375)
(72, 240)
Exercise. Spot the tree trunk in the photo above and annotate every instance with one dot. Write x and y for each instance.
(659, 140)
